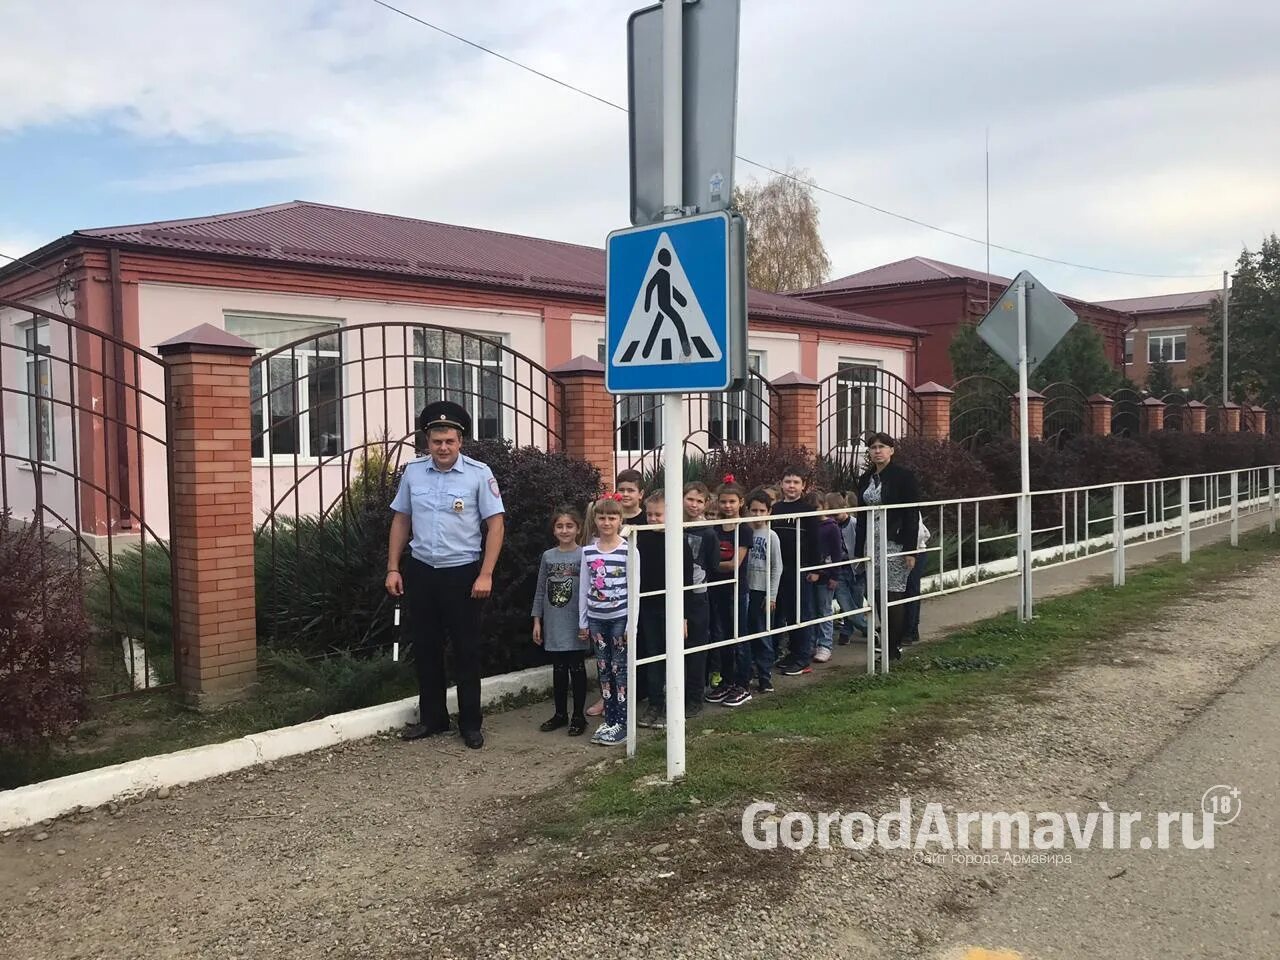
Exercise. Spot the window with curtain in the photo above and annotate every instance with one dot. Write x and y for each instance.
(637, 418)
(296, 395)
(467, 368)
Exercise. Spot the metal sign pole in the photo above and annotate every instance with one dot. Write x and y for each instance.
(673, 403)
(1024, 443)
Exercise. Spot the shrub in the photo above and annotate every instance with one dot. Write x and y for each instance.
(44, 636)
(1111, 460)
(752, 465)
(945, 470)
(131, 595)
(1051, 467)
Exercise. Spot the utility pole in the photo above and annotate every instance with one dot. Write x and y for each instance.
(1226, 340)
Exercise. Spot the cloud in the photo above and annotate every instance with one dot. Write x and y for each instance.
(1121, 135)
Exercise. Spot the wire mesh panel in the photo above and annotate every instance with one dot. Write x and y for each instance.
(84, 466)
(980, 410)
(712, 421)
(1126, 412)
(333, 419)
(859, 399)
(1066, 411)
(1175, 412)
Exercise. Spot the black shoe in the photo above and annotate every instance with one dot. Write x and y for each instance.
(895, 654)
(555, 723)
(577, 726)
(418, 731)
(474, 739)
(842, 640)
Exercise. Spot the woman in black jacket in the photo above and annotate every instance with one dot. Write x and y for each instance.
(886, 483)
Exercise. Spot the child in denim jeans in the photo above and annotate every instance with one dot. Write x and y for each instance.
(764, 575)
(850, 593)
(831, 551)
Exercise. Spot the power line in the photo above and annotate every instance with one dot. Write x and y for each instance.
(34, 266)
(782, 173)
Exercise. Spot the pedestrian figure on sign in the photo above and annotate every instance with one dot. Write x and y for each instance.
(660, 284)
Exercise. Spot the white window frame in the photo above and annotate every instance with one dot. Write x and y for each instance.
(647, 409)
(1156, 340)
(472, 370)
(736, 415)
(853, 434)
(302, 397)
(1129, 345)
(37, 353)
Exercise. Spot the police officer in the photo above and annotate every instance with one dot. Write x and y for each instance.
(444, 501)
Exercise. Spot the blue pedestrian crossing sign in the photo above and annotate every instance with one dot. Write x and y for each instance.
(670, 305)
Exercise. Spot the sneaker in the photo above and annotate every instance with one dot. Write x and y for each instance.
(765, 686)
(821, 655)
(555, 723)
(601, 731)
(611, 735)
(596, 709)
(717, 693)
(692, 709)
(645, 718)
(842, 640)
(737, 697)
(654, 718)
(795, 670)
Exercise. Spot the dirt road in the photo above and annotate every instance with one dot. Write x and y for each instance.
(383, 849)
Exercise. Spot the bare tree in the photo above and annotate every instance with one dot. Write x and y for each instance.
(784, 247)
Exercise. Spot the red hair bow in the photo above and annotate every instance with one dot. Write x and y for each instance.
(613, 496)
(728, 478)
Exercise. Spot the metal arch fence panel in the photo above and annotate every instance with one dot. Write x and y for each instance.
(333, 421)
(1273, 418)
(1248, 419)
(1126, 412)
(859, 399)
(980, 410)
(1066, 411)
(1213, 415)
(1175, 412)
(84, 468)
(712, 420)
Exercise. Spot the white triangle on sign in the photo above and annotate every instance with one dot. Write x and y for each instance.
(666, 324)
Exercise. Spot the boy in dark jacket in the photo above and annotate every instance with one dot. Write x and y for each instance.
(799, 538)
(651, 626)
(831, 553)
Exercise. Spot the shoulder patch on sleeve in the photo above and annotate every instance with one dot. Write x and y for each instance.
(493, 486)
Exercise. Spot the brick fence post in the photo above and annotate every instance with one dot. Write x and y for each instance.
(1099, 415)
(1197, 416)
(1035, 415)
(587, 421)
(1230, 417)
(211, 524)
(935, 410)
(798, 399)
(1152, 415)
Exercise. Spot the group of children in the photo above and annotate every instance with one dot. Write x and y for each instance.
(741, 581)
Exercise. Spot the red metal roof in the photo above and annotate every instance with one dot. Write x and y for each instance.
(318, 235)
(1164, 302)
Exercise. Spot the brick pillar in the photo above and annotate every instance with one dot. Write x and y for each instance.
(1035, 415)
(1099, 424)
(211, 527)
(1197, 417)
(1260, 420)
(1152, 415)
(935, 410)
(1230, 417)
(587, 420)
(798, 399)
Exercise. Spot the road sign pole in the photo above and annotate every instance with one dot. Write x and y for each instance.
(1024, 443)
(673, 403)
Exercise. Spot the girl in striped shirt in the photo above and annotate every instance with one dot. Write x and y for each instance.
(602, 614)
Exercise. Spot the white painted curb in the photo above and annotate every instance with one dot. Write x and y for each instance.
(24, 806)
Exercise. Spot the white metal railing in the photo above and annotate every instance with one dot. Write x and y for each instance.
(1076, 523)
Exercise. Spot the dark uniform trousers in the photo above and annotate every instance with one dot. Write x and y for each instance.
(441, 609)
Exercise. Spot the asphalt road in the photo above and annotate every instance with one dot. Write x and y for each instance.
(1164, 904)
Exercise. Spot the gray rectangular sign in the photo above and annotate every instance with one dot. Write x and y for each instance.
(1048, 320)
(710, 106)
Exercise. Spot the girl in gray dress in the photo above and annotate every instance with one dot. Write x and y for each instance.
(555, 621)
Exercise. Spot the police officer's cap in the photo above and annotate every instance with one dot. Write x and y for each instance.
(445, 413)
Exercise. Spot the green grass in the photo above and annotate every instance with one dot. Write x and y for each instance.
(821, 739)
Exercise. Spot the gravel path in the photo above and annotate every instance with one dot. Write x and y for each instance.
(382, 849)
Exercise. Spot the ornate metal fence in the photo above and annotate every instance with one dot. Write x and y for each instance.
(859, 399)
(333, 417)
(1248, 419)
(84, 466)
(1175, 412)
(1213, 415)
(711, 421)
(980, 410)
(1066, 412)
(1126, 412)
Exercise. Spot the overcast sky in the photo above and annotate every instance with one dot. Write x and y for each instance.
(1140, 135)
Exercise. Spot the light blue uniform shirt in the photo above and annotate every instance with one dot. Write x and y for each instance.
(446, 508)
